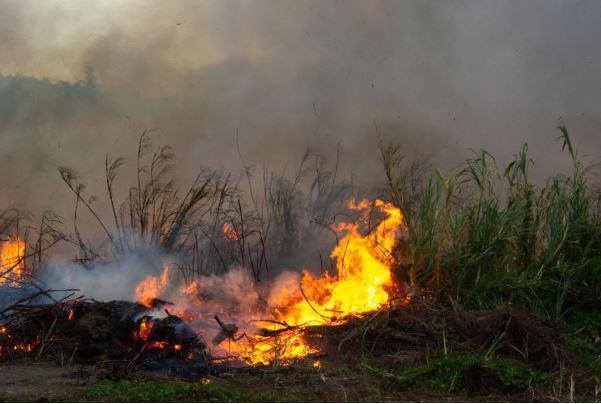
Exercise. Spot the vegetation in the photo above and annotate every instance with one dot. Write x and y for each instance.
(160, 391)
(480, 237)
(475, 238)
(467, 374)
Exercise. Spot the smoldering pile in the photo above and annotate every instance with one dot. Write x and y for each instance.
(87, 331)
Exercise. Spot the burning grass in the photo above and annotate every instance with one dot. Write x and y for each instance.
(12, 264)
(442, 268)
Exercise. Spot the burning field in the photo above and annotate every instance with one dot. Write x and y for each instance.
(456, 292)
(300, 201)
(190, 323)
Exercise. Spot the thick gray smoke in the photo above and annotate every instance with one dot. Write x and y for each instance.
(79, 80)
(233, 296)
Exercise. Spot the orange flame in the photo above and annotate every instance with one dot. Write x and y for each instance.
(157, 345)
(12, 263)
(229, 232)
(145, 329)
(151, 287)
(363, 274)
(361, 284)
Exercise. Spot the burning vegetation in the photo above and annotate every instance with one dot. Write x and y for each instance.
(12, 260)
(210, 298)
(153, 331)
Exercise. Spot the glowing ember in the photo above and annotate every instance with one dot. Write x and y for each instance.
(229, 232)
(71, 314)
(157, 345)
(12, 264)
(145, 329)
(151, 287)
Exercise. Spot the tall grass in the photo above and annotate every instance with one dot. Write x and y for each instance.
(477, 243)
(477, 237)
(272, 227)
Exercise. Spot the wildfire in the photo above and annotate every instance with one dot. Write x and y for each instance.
(151, 287)
(363, 282)
(12, 264)
(363, 276)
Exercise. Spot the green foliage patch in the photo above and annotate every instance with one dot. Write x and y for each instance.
(469, 374)
(159, 391)
(480, 236)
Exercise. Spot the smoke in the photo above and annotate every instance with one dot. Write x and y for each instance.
(107, 281)
(233, 296)
(82, 80)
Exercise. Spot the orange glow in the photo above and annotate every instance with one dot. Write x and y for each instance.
(157, 345)
(229, 232)
(145, 329)
(12, 264)
(152, 286)
(361, 284)
(71, 314)
(363, 274)
(265, 350)
(23, 347)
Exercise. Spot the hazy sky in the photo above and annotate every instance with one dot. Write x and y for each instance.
(80, 79)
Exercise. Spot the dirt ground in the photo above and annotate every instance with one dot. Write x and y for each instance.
(393, 355)
(39, 381)
(31, 381)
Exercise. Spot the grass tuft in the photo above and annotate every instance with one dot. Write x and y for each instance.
(159, 391)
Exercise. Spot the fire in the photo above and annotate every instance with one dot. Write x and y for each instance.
(12, 263)
(363, 276)
(146, 326)
(229, 232)
(157, 345)
(152, 286)
(363, 282)
(257, 349)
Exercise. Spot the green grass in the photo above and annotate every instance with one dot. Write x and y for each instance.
(468, 374)
(480, 236)
(582, 331)
(159, 391)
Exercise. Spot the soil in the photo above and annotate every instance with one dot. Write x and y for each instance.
(40, 381)
(30, 381)
(364, 358)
